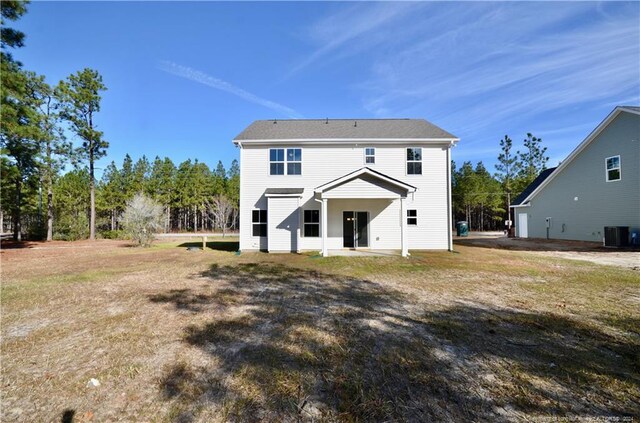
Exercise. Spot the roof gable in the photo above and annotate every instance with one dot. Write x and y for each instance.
(584, 144)
(369, 176)
(519, 200)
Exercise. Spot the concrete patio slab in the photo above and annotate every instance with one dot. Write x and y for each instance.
(364, 253)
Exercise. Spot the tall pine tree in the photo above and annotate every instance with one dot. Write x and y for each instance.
(532, 161)
(80, 94)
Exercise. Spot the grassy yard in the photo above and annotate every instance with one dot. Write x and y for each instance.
(173, 335)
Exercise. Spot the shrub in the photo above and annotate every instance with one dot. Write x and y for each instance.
(71, 228)
(118, 234)
(142, 218)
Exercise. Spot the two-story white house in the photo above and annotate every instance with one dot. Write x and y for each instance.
(333, 184)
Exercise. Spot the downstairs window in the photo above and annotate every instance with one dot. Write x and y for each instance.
(259, 222)
(311, 223)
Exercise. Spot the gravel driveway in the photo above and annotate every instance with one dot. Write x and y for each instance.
(573, 250)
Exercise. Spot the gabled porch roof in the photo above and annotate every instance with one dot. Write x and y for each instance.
(385, 186)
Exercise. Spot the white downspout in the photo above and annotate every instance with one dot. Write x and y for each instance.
(403, 226)
(449, 210)
(323, 226)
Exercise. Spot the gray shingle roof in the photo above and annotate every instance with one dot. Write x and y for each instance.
(532, 186)
(342, 128)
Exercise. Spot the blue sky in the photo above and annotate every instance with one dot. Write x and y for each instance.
(185, 77)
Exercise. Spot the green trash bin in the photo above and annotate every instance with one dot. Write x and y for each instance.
(462, 228)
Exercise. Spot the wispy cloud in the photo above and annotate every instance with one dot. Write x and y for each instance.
(213, 82)
(510, 59)
(358, 23)
(485, 69)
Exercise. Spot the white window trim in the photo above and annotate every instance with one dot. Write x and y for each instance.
(284, 162)
(619, 168)
(412, 217)
(304, 222)
(258, 223)
(407, 161)
(369, 155)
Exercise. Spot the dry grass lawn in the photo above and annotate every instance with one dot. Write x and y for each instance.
(173, 335)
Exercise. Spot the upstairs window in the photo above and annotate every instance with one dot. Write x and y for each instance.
(613, 168)
(369, 155)
(412, 217)
(414, 161)
(259, 221)
(278, 161)
(311, 223)
(294, 161)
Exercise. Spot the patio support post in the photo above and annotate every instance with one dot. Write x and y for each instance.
(325, 246)
(403, 226)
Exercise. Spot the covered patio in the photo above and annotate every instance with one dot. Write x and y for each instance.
(359, 199)
(364, 253)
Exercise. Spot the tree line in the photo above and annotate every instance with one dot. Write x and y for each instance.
(483, 199)
(39, 197)
(194, 197)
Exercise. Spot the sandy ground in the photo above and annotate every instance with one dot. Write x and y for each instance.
(483, 334)
(573, 250)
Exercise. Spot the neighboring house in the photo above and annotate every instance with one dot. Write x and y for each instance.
(598, 185)
(331, 184)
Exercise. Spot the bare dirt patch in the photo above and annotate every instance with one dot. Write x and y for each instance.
(173, 335)
(572, 250)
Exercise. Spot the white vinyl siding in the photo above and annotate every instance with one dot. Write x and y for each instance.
(430, 198)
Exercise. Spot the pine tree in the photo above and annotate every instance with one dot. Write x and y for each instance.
(81, 97)
(126, 177)
(489, 197)
(72, 193)
(111, 193)
(141, 171)
(162, 185)
(233, 190)
(219, 179)
(55, 151)
(183, 193)
(20, 136)
(18, 129)
(507, 170)
(201, 189)
(532, 161)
